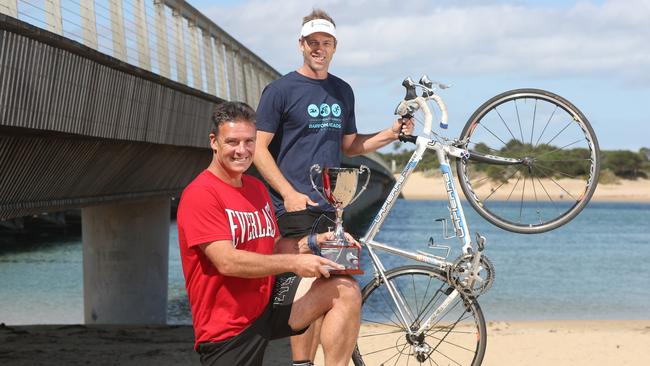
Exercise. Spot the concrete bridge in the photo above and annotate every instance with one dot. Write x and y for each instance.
(106, 108)
(111, 114)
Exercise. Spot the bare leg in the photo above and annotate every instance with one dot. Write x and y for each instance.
(304, 346)
(338, 300)
(340, 327)
(316, 340)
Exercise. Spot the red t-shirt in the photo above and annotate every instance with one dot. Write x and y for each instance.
(212, 210)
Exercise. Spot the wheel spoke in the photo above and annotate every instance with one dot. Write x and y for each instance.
(408, 306)
(449, 339)
(555, 141)
(560, 148)
(521, 131)
(549, 169)
(584, 160)
(558, 134)
(547, 195)
(558, 184)
(538, 211)
(506, 125)
(385, 349)
(388, 302)
(430, 304)
(500, 185)
(545, 126)
(521, 203)
(493, 134)
(514, 186)
(399, 330)
(443, 339)
(532, 130)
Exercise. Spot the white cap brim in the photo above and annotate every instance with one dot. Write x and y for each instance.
(318, 25)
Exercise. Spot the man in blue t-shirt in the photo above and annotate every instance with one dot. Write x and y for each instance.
(307, 117)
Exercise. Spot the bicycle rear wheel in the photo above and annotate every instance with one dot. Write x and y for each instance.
(534, 161)
(455, 336)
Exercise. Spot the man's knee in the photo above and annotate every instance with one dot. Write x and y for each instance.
(348, 290)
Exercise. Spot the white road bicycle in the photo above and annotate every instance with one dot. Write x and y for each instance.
(528, 162)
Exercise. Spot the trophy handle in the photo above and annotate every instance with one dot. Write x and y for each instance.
(318, 170)
(362, 168)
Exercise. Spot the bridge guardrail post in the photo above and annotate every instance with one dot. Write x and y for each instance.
(9, 7)
(162, 49)
(208, 62)
(144, 56)
(221, 67)
(89, 20)
(181, 66)
(117, 30)
(195, 55)
(53, 16)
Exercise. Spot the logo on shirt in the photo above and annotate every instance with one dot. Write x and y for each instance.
(324, 110)
(312, 109)
(247, 226)
(325, 116)
(336, 110)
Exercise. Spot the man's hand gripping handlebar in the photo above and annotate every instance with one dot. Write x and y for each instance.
(412, 102)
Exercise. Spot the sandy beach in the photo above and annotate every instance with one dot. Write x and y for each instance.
(420, 186)
(543, 343)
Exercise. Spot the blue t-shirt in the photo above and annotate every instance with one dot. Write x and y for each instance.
(309, 118)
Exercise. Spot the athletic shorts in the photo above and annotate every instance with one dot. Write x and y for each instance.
(300, 223)
(247, 348)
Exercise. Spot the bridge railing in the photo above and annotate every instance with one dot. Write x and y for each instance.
(167, 37)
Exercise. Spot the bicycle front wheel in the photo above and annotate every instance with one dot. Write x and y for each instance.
(533, 161)
(453, 334)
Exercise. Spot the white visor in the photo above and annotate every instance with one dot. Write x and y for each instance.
(318, 25)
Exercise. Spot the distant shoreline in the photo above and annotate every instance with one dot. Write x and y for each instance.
(424, 187)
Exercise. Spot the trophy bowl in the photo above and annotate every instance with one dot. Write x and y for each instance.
(339, 189)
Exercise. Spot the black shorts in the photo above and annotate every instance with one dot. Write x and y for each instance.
(300, 223)
(247, 348)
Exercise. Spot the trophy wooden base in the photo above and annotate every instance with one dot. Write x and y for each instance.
(346, 255)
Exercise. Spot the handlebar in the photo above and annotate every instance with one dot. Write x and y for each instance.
(412, 102)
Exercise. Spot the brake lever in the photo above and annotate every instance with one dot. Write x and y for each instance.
(427, 85)
(410, 89)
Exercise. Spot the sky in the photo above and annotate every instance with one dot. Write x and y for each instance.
(596, 54)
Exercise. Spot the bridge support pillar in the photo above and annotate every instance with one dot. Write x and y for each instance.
(125, 262)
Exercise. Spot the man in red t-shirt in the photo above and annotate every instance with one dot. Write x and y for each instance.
(243, 289)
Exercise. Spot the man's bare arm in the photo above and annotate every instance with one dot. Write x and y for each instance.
(357, 144)
(231, 261)
(291, 246)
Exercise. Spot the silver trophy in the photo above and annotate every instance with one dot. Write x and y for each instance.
(339, 189)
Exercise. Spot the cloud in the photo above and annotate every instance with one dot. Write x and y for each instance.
(611, 39)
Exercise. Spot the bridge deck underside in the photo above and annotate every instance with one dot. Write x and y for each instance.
(44, 172)
(80, 128)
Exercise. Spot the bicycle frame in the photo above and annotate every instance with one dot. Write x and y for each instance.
(459, 281)
(457, 215)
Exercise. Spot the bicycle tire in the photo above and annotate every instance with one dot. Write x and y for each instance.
(562, 146)
(457, 335)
